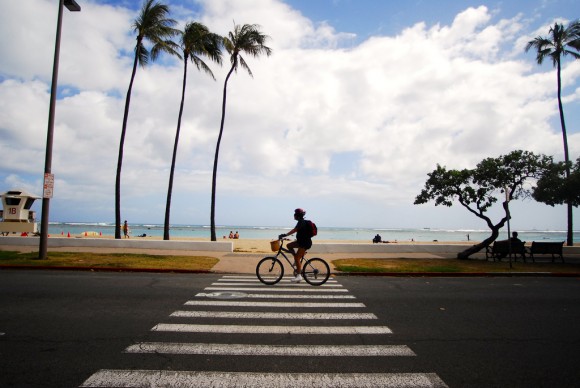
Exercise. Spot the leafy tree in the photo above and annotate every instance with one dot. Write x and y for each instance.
(478, 189)
(154, 26)
(244, 39)
(553, 188)
(196, 41)
(561, 42)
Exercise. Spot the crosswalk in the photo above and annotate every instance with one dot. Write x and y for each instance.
(287, 312)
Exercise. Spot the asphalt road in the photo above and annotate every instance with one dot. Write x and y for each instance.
(61, 329)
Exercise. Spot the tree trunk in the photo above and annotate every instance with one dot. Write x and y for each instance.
(478, 247)
(121, 145)
(215, 162)
(494, 234)
(570, 233)
(172, 169)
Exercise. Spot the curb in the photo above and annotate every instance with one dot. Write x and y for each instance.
(104, 269)
(461, 274)
(369, 274)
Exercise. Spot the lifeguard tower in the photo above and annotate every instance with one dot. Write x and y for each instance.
(16, 216)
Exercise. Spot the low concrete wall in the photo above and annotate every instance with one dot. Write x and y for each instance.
(57, 242)
(386, 248)
(436, 249)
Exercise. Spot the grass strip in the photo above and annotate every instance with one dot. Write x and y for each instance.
(448, 266)
(108, 260)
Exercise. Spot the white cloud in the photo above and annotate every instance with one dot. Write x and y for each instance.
(389, 109)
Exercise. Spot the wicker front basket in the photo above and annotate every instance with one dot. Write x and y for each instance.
(275, 245)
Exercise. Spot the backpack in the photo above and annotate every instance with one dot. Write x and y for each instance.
(310, 229)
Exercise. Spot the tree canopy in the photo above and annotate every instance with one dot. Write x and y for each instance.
(554, 188)
(477, 190)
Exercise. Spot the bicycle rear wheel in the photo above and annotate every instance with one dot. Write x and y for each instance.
(269, 270)
(316, 271)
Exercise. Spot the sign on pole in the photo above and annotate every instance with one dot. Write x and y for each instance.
(48, 185)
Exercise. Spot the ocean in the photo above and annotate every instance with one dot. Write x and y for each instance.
(324, 233)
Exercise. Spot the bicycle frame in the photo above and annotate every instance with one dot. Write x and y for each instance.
(281, 251)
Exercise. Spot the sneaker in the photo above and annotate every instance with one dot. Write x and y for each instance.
(297, 279)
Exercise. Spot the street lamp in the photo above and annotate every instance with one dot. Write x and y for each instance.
(507, 210)
(72, 6)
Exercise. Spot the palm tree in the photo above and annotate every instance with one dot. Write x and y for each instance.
(250, 40)
(196, 40)
(152, 25)
(560, 42)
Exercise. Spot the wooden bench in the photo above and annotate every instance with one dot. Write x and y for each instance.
(547, 248)
(501, 249)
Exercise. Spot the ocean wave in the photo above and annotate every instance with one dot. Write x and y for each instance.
(85, 223)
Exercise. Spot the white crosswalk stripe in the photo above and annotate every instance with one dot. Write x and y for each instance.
(272, 304)
(255, 281)
(264, 288)
(269, 315)
(293, 285)
(271, 350)
(164, 378)
(285, 296)
(232, 299)
(255, 329)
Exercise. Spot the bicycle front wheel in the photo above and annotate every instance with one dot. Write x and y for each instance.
(316, 271)
(269, 270)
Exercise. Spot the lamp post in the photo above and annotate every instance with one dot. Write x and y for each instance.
(507, 209)
(72, 6)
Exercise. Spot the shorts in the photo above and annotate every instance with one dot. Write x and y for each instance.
(305, 243)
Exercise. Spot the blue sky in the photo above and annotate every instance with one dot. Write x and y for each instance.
(359, 101)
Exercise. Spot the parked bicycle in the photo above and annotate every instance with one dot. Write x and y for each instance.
(270, 270)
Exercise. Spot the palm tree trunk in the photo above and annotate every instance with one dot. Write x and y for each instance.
(570, 233)
(120, 160)
(172, 170)
(215, 161)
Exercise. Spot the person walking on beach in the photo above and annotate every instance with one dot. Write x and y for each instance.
(126, 229)
(302, 243)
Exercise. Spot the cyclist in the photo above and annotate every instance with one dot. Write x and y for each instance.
(302, 243)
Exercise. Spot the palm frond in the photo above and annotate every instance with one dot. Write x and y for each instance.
(201, 65)
(165, 46)
(559, 42)
(574, 54)
(142, 54)
(246, 39)
(245, 65)
(198, 41)
(154, 25)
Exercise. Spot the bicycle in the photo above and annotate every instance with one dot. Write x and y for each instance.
(270, 270)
